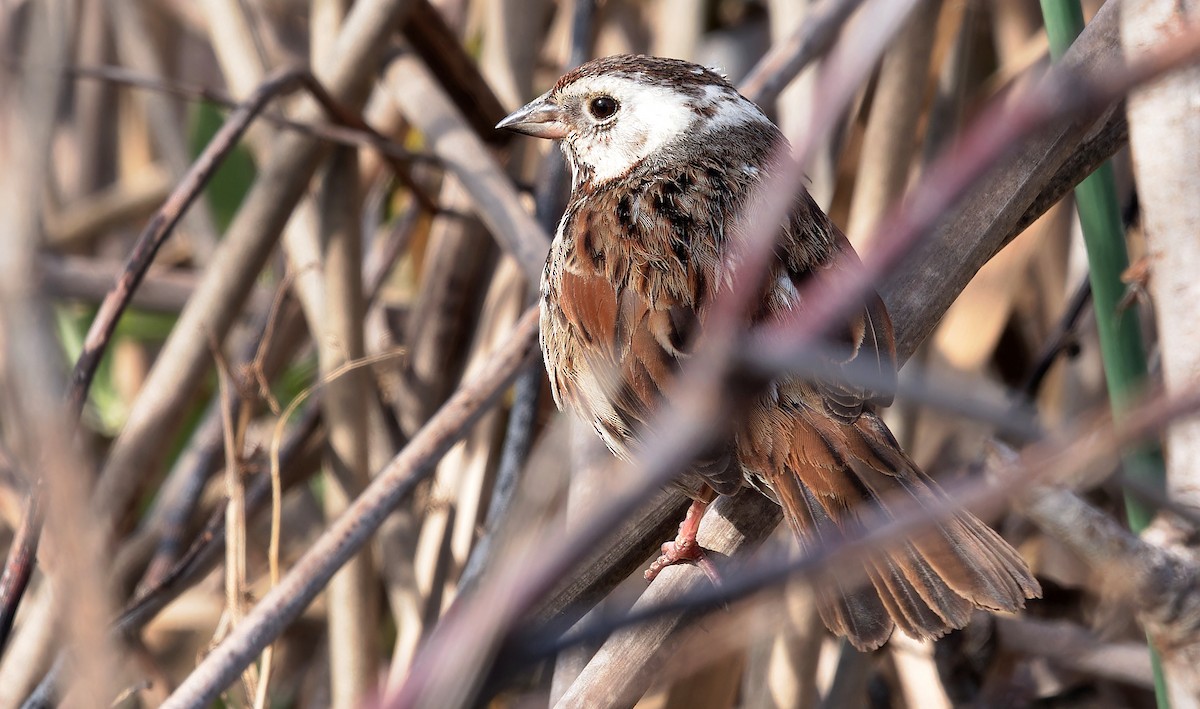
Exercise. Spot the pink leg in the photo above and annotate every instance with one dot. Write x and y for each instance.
(685, 547)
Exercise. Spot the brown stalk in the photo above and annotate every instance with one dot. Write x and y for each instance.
(36, 418)
(130, 23)
(161, 290)
(352, 604)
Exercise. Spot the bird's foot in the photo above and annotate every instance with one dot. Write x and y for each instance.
(685, 548)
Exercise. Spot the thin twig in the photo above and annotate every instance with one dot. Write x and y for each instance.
(1062, 340)
(787, 59)
(340, 135)
(22, 558)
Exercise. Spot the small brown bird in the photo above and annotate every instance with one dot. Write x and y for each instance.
(665, 155)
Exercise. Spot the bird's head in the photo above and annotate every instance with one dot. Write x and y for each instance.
(611, 114)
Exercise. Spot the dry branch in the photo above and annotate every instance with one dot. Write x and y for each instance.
(1162, 584)
(1165, 142)
(424, 102)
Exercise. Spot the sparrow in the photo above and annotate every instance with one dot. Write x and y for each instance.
(665, 156)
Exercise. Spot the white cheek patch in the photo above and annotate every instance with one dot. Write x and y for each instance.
(649, 118)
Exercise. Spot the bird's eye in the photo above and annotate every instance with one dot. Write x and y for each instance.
(602, 107)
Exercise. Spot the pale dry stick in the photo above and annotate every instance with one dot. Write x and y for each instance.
(917, 673)
(37, 418)
(32, 650)
(350, 136)
(78, 224)
(298, 459)
(158, 587)
(277, 485)
(946, 111)
(160, 227)
(1021, 188)
(794, 103)
(93, 121)
(889, 141)
(496, 202)
(232, 36)
(233, 430)
(1165, 142)
(676, 28)
(1160, 582)
(1013, 25)
(477, 455)
(282, 180)
(309, 575)
(740, 530)
(353, 618)
(162, 290)
(458, 265)
(787, 59)
(273, 340)
(510, 48)
(434, 34)
(1069, 92)
(782, 664)
(117, 300)
(134, 43)
(1078, 648)
(442, 337)
(464, 473)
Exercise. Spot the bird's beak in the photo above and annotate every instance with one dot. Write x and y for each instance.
(541, 118)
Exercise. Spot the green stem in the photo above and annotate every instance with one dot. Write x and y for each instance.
(1120, 333)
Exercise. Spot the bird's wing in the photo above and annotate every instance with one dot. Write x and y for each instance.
(863, 348)
(622, 320)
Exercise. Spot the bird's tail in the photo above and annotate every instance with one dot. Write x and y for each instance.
(837, 476)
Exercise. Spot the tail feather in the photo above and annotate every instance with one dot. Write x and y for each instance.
(830, 477)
